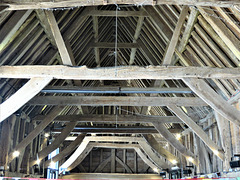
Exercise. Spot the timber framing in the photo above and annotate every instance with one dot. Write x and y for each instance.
(112, 118)
(123, 73)
(27, 4)
(119, 86)
(116, 100)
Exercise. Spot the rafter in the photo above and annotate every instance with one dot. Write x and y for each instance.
(135, 38)
(59, 39)
(167, 59)
(222, 30)
(10, 28)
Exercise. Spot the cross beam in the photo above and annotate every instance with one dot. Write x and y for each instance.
(123, 72)
(116, 100)
(46, 4)
(95, 118)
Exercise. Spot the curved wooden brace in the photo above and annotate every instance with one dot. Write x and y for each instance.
(26, 141)
(22, 96)
(159, 149)
(159, 162)
(198, 130)
(145, 159)
(128, 169)
(66, 165)
(175, 143)
(102, 165)
(204, 91)
(81, 157)
(55, 144)
(66, 151)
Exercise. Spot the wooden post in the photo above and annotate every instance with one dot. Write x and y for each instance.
(224, 131)
(113, 162)
(5, 141)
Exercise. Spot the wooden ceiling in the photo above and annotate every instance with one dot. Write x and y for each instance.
(119, 67)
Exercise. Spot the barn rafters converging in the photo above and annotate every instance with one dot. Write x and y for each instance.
(119, 86)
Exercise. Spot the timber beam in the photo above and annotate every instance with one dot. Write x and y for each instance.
(198, 131)
(160, 150)
(23, 95)
(55, 144)
(66, 151)
(95, 118)
(123, 72)
(112, 45)
(27, 140)
(116, 100)
(119, 130)
(46, 4)
(114, 90)
(204, 91)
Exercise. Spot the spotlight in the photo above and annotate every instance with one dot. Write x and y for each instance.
(174, 161)
(190, 159)
(178, 136)
(16, 153)
(216, 152)
(156, 170)
(38, 161)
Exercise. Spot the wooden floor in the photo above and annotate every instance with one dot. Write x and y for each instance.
(110, 176)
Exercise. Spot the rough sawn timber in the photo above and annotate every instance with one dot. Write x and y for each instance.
(117, 73)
